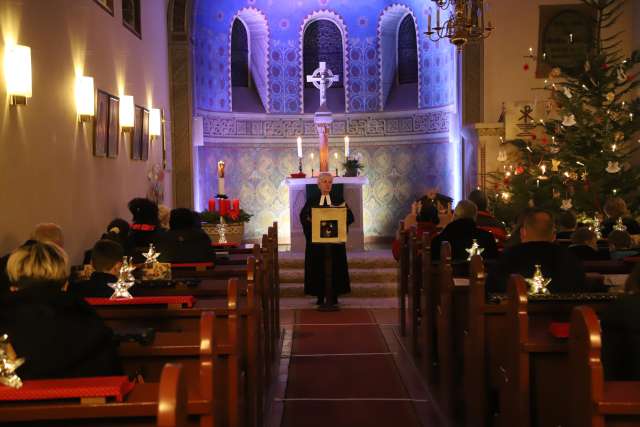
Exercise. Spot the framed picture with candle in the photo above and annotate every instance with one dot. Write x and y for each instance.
(329, 225)
(101, 128)
(114, 127)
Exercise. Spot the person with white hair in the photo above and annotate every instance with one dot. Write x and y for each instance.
(314, 265)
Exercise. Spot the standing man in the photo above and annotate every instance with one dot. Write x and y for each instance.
(314, 273)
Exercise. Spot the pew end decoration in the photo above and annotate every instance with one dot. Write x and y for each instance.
(152, 268)
(538, 283)
(475, 249)
(125, 280)
(9, 363)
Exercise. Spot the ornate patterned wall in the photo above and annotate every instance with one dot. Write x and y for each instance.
(213, 20)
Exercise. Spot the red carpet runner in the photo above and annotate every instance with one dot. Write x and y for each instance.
(341, 373)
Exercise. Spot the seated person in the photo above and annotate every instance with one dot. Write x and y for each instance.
(145, 229)
(620, 323)
(566, 223)
(118, 231)
(557, 263)
(44, 232)
(620, 245)
(186, 241)
(616, 208)
(485, 220)
(426, 220)
(461, 232)
(58, 334)
(584, 245)
(106, 259)
(441, 202)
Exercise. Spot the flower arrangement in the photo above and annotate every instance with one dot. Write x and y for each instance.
(231, 216)
(352, 166)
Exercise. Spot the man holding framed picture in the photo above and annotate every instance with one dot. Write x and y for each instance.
(325, 218)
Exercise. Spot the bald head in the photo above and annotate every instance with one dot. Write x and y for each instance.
(538, 226)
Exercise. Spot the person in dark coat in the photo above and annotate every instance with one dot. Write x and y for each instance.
(145, 229)
(584, 245)
(58, 334)
(620, 323)
(537, 248)
(566, 223)
(314, 274)
(485, 220)
(461, 232)
(106, 259)
(186, 241)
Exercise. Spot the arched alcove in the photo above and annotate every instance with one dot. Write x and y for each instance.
(249, 58)
(399, 59)
(323, 38)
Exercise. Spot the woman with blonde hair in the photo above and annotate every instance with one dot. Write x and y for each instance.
(57, 333)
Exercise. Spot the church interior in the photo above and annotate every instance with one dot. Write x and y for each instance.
(252, 213)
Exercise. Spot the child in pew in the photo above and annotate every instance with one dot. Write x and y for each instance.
(118, 231)
(620, 324)
(620, 245)
(58, 334)
(106, 260)
(186, 241)
(584, 245)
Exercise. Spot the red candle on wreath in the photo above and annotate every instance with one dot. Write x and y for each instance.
(236, 204)
(224, 207)
(212, 205)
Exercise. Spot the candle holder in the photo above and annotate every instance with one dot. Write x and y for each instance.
(299, 174)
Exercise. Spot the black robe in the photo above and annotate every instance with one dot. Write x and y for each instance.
(314, 256)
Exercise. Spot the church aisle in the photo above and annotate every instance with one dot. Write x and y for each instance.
(343, 372)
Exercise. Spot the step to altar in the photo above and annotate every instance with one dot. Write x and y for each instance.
(372, 273)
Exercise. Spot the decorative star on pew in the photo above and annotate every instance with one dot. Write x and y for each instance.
(596, 227)
(126, 270)
(8, 364)
(538, 283)
(619, 225)
(121, 289)
(151, 256)
(475, 249)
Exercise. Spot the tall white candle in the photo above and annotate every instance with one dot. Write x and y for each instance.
(299, 147)
(221, 177)
(346, 146)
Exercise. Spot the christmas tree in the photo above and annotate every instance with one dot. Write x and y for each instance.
(587, 139)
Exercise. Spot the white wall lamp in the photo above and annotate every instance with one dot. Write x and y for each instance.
(155, 122)
(127, 119)
(17, 71)
(85, 98)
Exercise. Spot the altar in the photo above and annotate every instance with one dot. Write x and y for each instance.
(352, 196)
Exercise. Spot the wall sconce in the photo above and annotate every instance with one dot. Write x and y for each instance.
(85, 98)
(155, 122)
(127, 120)
(17, 71)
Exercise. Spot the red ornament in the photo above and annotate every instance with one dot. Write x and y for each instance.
(605, 66)
(533, 137)
(525, 67)
(519, 170)
(544, 140)
(506, 180)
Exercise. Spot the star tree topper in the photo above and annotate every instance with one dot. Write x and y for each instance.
(475, 249)
(538, 283)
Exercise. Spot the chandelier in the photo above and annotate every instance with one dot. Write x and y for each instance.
(466, 23)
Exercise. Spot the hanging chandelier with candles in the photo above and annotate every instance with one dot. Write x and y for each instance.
(465, 24)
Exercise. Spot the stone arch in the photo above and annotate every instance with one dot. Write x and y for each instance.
(337, 20)
(257, 26)
(388, 26)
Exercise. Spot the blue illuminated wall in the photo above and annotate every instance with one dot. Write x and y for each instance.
(284, 22)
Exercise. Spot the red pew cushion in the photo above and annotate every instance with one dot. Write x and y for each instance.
(69, 388)
(559, 329)
(184, 300)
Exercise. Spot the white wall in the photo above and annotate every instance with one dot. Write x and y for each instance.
(47, 168)
(516, 23)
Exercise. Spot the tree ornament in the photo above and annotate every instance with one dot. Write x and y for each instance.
(538, 283)
(502, 156)
(519, 170)
(555, 164)
(567, 92)
(595, 227)
(613, 167)
(555, 73)
(566, 204)
(475, 249)
(621, 75)
(555, 193)
(619, 225)
(618, 136)
(610, 97)
(554, 149)
(8, 364)
(587, 66)
(569, 120)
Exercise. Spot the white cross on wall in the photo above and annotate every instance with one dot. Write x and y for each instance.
(322, 78)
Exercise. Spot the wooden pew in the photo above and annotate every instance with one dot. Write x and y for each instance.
(428, 301)
(403, 277)
(537, 363)
(595, 402)
(414, 287)
(172, 397)
(444, 330)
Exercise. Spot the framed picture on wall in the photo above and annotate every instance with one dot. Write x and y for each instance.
(101, 125)
(106, 5)
(145, 134)
(114, 126)
(136, 140)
